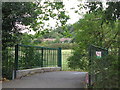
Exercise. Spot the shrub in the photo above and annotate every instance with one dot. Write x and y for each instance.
(8, 62)
(77, 61)
(105, 72)
(30, 58)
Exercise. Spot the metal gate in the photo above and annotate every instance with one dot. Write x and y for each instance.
(96, 61)
(27, 57)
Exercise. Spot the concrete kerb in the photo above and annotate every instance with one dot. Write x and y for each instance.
(26, 72)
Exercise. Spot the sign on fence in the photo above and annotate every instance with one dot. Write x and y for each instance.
(98, 54)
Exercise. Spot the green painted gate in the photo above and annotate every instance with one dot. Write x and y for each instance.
(96, 61)
(27, 57)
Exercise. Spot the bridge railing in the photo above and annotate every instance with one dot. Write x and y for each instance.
(28, 57)
(23, 57)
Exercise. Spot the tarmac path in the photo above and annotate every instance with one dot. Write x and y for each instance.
(59, 79)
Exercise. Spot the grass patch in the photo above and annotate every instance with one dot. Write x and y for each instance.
(65, 55)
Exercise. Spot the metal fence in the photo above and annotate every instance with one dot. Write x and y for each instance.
(27, 57)
(96, 62)
(8, 58)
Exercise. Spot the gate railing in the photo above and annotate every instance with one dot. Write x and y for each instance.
(96, 61)
(28, 57)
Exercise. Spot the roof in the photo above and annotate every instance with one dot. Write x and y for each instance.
(53, 39)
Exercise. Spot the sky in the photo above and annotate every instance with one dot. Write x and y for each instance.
(74, 17)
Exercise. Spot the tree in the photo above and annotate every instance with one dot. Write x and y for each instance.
(27, 13)
(27, 39)
(89, 31)
(99, 27)
(32, 15)
(12, 13)
(112, 16)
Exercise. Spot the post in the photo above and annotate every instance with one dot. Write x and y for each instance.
(16, 60)
(59, 58)
(42, 58)
(89, 74)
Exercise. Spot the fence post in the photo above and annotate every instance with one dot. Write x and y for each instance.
(89, 74)
(16, 60)
(42, 58)
(59, 57)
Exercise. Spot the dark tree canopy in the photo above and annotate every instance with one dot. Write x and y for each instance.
(12, 13)
(27, 13)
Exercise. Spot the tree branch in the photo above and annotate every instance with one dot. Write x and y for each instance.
(111, 41)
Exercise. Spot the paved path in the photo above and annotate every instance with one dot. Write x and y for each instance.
(60, 79)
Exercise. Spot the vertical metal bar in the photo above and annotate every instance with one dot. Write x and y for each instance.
(50, 57)
(39, 61)
(53, 57)
(89, 66)
(59, 58)
(21, 58)
(7, 65)
(24, 54)
(42, 57)
(16, 60)
(47, 58)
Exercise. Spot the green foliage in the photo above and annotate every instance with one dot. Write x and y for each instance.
(27, 39)
(105, 72)
(94, 6)
(66, 31)
(29, 58)
(8, 62)
(12, 13)
(90, 31)
(99, 27)
(28, 14)
(112, 13)
(52, 34)
(34, 57)
(66, 53)
(59, 45)
(78, 60)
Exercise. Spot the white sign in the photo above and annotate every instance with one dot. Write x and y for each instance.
(98, 54)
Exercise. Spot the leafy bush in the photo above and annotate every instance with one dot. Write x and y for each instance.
(77, 61)
(8, 62)
(105, 72)
(30, 58)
